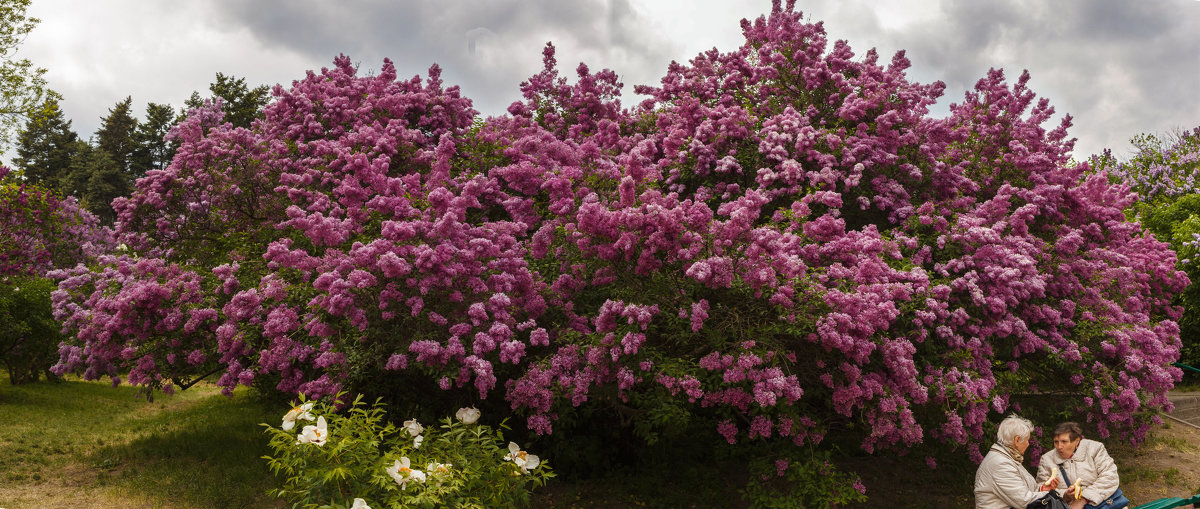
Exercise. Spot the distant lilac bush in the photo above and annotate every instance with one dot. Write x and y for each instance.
(780, 236)
(1161, 169)
(39, 232)
(1163, 174)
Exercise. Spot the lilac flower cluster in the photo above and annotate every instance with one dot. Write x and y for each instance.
(780, 234)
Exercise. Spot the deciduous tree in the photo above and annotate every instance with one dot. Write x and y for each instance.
(23, 87)
(240, 103)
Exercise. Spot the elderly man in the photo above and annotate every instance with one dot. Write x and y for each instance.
(1001, 481)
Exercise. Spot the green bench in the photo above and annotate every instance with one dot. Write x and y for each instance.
(1168, 503)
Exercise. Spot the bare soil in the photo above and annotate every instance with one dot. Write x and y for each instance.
(1167, 466)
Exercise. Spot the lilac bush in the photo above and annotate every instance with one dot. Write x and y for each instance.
(1160, 169)
(780, 237)
(39, 232)
(1163, 174)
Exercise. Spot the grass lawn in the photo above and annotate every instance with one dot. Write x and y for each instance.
(79, 444)
(88, 445)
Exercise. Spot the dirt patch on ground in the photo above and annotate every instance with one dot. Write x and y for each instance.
(1168, 465)
(70, 486)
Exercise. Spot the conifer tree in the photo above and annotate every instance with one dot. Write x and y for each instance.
(118, 136)
(154, 151)
(96, 178)
(46, 146)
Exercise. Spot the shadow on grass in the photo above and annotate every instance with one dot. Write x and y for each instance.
(907, 481)
(206, 455)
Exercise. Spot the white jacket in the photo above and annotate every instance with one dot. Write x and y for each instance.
(1002, 483)
(1091, 464)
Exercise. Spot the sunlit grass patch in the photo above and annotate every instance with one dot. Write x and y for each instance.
(86, 444)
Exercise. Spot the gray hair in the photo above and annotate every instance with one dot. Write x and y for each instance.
(1012, 427)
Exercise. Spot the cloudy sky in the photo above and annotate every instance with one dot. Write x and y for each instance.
(1119, 67)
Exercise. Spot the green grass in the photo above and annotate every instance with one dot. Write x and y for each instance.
(1174, 443)
(1138, 473)
(101, 446)
(88, 445)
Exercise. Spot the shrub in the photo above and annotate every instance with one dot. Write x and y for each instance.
(329, 458)
(812, 482)
(780, 242)
(39, 232)
(28, 333)
(1163, 173)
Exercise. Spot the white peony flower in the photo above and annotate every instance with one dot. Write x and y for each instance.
(436, 468)
(524, 460)
(402, 472)
(360, 504)
(417, 441)
(438, 472)
(297, 413)
(467, 415)
(314, 434)
(414, 428)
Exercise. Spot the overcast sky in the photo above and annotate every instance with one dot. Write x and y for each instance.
(1119, 67)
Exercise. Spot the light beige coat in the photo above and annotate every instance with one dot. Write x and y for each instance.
(1091, 464)
(1003, 483)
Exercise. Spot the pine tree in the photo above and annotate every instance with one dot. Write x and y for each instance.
(154, 151)
(96, 178)
(46, 147)
(117, 137)
(74, 181)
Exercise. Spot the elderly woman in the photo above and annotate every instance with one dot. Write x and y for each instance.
(1085, 462)
(1001, 482)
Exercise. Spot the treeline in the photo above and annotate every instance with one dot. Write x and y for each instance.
(49, 153)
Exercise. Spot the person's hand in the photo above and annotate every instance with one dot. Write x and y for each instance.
(1051, 484)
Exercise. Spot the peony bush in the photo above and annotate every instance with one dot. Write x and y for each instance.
(779, 241)
(355, 458)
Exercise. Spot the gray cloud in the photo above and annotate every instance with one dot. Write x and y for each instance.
(1117, 67)
(486, 46)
